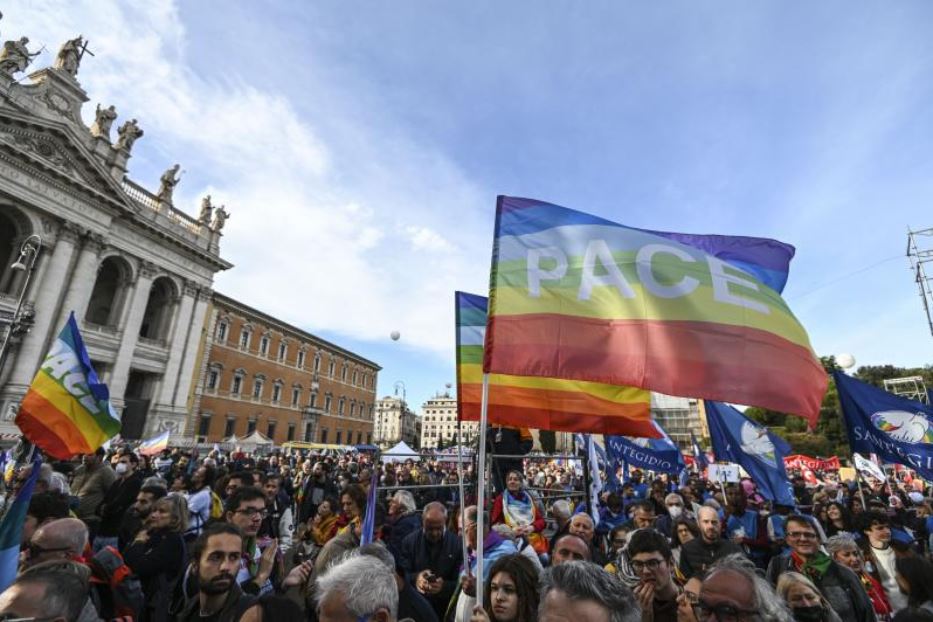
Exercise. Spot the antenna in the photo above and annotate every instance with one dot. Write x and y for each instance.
(920, 254)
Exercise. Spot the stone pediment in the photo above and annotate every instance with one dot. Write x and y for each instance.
(49, 146)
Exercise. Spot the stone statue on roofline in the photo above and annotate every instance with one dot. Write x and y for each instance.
(15, 56)
(69, 55)
(128, 133)
(206, 210)
(220, 218)
(167, 183)
(103, 119)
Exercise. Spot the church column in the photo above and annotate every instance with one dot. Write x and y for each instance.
(186, 377)
(181, 326)
(83, 279)
(130, 330)
(53, 281)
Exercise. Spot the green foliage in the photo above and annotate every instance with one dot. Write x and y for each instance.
(877, 374)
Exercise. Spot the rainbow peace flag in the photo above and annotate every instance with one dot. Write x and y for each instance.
(542, 403)
(578, 297)
(67, 410)
(154, 445)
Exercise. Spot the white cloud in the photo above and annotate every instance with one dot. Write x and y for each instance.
(327, 234)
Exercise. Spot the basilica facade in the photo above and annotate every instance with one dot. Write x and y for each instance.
(77, 235)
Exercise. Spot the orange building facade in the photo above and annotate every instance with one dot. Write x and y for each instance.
(258, 373)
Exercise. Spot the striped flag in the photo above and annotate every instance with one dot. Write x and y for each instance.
(578, 297)
(542, 403)
(369, 518)
(11, 527)
(154, 445)
(67, 411)
(596, 484)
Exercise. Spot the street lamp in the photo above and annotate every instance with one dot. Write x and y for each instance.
(20, 322)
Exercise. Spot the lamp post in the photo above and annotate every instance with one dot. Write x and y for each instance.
(28, 254)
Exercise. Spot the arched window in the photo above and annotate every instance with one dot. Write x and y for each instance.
(158, 315)
(264, 345)
(245, 335)
(109, 292)
(276, 391)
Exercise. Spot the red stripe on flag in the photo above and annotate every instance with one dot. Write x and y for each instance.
(693, 359)
(54, 433)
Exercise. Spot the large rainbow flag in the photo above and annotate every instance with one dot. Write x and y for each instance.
(67, 410)
(542, 403)
(578, 297)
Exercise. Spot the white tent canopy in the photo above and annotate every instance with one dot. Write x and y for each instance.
(400, 453)
(256, 438)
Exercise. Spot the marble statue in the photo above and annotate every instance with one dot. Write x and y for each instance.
(167, 184)
(103, 119)
(15, 56)
(69, 55)
(220, 218)
(206, 209)
(128, 133)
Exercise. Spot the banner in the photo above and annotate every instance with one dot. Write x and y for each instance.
(898, 430)
(728, 473)
(738, 439)
(816, 464)
(653, 454)
(868, 467)
(578, 297)
(541, 403)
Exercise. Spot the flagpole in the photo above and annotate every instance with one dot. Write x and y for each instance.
(481, 489)
(858, 482)
(463, 542)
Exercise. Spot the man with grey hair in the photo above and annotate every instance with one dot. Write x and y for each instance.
(359, 589)
(583, 591)
(733, 586)
(46, 594)
(431, 558)
(411, 604)
(560, 512)
(402, 520)
(65, 538)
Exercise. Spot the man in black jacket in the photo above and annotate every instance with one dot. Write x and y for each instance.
(839, 585)
(431, 558)
(700, 553)
(315, 488)
(118, 500)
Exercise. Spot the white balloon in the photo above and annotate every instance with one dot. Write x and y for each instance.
(845, 361)
(395, 335)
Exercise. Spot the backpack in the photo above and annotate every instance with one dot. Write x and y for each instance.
(217, 505)
(119, 593)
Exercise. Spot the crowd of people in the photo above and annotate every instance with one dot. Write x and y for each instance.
(234, 536)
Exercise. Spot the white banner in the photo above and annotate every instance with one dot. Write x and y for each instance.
(723, 473)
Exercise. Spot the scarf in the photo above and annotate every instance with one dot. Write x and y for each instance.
(325, 531)
(518, 510)
(815, 567)
(249, 556)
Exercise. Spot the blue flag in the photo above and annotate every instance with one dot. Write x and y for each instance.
(11, 528)
(738, 439)
(369, 518)
(898, 430)
(698, 454)
(653, 454)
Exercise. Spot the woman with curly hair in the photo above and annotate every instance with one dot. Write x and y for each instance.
(511, 593)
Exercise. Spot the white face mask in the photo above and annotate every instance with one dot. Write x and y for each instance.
(122, 468)
(675, 510)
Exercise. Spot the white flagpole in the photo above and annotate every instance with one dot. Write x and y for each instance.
(481, 489)
(466, 553)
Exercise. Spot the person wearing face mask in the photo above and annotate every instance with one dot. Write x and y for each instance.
(118, 500)
(805, 601)
(675, 510)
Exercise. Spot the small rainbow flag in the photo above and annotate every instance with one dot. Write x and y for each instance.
(579, 297)
(542, 403)
(67, 410)
(154, 445)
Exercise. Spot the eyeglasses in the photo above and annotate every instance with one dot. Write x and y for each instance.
(724, 612)
(35, 550)
(801, 535)
(650, 564)
(253, 512)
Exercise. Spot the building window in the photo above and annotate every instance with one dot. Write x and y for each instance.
(343, 373)
(331, 368)
(222, 332)
(317, 362)
(369, 438)
(276, 392)
(339, 437)
(245, 334)
(204, 424)
(352, 409)
(301, 359)
(270, 429)
(340, 406)
(327, 403)
(283, 351)
(251, 426)
(291, 431)
(230, 427)
(257, 388)
(324, 435)
(308, 431)
(313, 401)
(356, 377)
(264, 345)
(213, 378)
(296, 396)
(237, 385)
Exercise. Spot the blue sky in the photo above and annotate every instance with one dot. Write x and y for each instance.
(360, 146)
